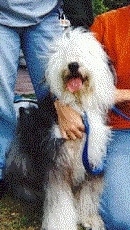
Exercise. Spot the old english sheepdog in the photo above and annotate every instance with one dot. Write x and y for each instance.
(41, 165)
(80, 75)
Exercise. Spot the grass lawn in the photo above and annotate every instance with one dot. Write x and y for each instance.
(13, 216)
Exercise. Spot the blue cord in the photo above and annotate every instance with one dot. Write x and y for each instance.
(88, 167)
(120, 113)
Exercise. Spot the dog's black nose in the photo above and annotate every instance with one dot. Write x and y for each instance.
(73, 66)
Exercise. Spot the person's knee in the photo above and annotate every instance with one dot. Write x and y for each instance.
(115, 217)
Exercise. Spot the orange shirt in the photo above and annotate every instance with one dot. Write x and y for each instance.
(112, 29)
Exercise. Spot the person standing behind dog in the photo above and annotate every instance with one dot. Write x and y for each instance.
(32, 26)
(112, 29)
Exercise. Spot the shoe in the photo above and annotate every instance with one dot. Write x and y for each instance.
(2, 188)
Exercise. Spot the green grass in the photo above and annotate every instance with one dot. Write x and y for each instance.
(30, 96)
(14, 217)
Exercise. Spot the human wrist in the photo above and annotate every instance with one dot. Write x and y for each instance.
(122, 95)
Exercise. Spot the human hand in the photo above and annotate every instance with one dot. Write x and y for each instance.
(122, 95)
(70, 121)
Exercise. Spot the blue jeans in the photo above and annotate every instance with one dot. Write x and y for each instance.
(115, 202)
(34, 41)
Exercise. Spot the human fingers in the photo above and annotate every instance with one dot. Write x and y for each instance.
(71, 135)
(81, 128)
(64, 134)
(76, 132)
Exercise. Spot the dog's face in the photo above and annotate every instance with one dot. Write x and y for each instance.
(75, 79)
(78, 69)
(69, 69)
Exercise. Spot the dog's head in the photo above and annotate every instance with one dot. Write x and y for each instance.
(78, 68)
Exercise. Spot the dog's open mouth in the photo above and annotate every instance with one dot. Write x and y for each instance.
(74, 84)
(73, 78)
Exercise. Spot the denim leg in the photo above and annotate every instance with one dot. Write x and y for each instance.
(115, 202)
(9, 56)
(36, 41)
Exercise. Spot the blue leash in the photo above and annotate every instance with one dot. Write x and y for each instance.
(120, 113)
(88, 167)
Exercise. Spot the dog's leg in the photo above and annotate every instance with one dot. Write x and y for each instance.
(59, 210)
(98, 139)
(88, 205)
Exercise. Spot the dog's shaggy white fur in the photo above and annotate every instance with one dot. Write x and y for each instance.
(97, 93)
(79, 74)
(41, 164)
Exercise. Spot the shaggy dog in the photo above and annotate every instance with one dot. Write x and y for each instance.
(79, 74)
(43, 166)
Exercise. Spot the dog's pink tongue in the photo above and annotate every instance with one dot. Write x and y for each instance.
(74, 85)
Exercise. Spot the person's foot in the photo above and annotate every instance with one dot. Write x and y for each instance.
(2, 188)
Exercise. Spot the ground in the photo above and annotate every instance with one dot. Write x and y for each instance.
(14, 217)
(23, 84)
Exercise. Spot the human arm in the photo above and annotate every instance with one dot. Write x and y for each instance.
(122, 95)
(70, 121)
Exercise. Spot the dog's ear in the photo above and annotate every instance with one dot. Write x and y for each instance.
(79, 12)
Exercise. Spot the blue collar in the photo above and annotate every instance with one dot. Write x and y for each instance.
(88, 167)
